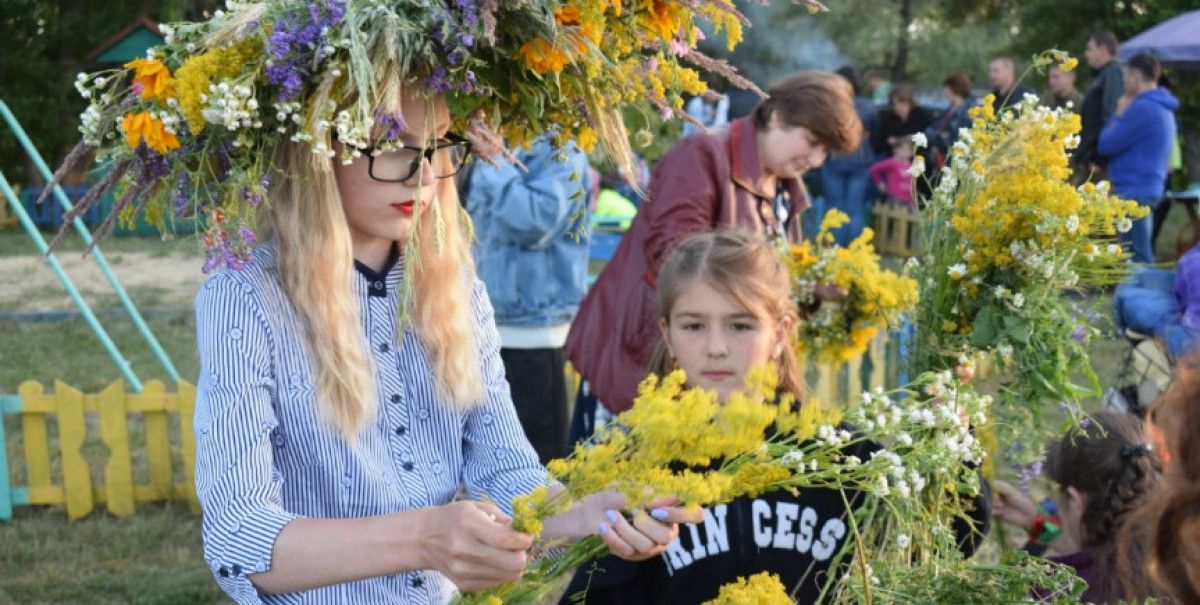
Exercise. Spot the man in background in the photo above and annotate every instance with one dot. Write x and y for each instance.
(1002, 73)
(1099, 101)
(1062, 93)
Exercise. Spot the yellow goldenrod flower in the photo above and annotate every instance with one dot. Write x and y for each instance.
(762, 589)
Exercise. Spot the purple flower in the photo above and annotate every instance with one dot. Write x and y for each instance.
(247, 235)
(1080, 334)
(393, 125)
(180, 197)
(298, 44)
(437, 80)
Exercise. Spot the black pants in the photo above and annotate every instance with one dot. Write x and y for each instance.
(539, 392)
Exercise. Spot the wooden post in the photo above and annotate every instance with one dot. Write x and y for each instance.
(72, 431)
(36, 439)
(185, 398)
(114, 429)
(158, 441)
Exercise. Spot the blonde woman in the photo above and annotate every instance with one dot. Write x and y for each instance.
(351, 386)
(308, 484)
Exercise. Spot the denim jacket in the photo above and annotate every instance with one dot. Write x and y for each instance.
(532, 233)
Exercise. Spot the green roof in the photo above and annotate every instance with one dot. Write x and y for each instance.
(132, 46)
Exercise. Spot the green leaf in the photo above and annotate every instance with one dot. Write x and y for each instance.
(1018, 329)
(983, 333)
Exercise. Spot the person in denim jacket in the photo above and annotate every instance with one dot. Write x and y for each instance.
(532, 235)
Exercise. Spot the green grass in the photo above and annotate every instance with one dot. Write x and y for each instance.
(151, 557)
(68, 350)
(16, 241)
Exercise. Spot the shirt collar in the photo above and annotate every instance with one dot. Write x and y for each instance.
(377, 281)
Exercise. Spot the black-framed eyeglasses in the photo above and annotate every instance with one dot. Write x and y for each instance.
(400, 163)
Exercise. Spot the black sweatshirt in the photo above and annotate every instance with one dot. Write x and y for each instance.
(795, 536)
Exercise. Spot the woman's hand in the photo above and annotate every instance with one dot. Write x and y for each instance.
(645, 536)
(473, 544)
(1010, 505)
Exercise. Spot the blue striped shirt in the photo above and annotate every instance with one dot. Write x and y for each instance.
(263, 457)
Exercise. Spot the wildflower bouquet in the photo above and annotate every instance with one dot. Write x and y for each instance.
(909, 531)
(839, 331)
(907, 469)
(1008, 236)
(192, 129)
(673, 441)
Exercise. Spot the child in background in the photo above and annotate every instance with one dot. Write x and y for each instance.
(892, 176)
(1104, 472)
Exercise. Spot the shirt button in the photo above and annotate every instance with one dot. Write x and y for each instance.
(436, 467)
(488, 418)
(408, 466)
(423, 414)
(278, 439)
(377, 285)
(346, 481)
(400, 430)
(416, 582)
(395, 398)
(235, 333)
(383, 347)
(223, 572)
(236, 569)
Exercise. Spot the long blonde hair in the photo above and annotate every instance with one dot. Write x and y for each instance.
(316, 267)
(741, 265)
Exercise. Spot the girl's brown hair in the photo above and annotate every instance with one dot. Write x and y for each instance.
(743, 266)
(1111, 463)
(1169, 525)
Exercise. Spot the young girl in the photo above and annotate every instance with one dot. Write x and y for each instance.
(892, 176)
(724, 307)
(1103, 473)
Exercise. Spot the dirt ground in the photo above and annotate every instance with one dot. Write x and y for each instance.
(27, 283)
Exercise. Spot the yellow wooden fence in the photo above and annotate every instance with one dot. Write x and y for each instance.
(58, 470)
(59, 466)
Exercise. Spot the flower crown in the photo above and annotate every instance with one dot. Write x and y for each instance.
(189, 131)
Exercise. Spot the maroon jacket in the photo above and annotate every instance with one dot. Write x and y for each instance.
(705, 182)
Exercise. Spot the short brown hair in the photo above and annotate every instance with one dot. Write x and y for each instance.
(1106, 39)
(821, 102)
(1146, 64)
(902, 92)
(958, 83)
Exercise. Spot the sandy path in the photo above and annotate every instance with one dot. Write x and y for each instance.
(28, 284)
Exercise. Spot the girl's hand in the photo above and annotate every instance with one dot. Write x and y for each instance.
(646, 535)
(473, 544)
(1010, 505)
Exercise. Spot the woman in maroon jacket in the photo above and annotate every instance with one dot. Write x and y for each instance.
(744, 175)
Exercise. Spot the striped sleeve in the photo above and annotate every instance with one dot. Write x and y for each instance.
(236, 479)
(499, 463)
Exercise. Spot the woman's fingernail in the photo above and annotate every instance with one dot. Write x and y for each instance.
(613, 516)
(603, 528)
(660, 513)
